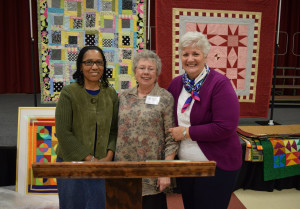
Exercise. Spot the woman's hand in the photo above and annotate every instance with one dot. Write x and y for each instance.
(177, 133)
(109, 156)
(163, 182)
(105, 159)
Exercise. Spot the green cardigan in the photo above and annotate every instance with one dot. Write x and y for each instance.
(76, 116)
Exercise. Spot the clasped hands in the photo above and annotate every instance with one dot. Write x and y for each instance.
(177, 133)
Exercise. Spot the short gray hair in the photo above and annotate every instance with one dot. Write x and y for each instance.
(196, 39)
(148, 55)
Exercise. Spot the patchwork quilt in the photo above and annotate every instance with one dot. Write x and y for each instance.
(241, 34)
(42, 143)
(278, 147)
(65, 26)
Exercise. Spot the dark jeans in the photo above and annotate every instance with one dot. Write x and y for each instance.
(81, 193)
(157, 201)
(208, 192)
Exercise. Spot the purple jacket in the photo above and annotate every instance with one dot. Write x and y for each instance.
(214, 120)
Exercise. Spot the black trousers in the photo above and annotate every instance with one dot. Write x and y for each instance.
(157, 201)
(208, 192)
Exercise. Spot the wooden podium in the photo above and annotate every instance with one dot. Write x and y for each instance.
(124, 179)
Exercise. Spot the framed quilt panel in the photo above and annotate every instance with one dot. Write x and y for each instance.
(66, 26)
(36, 143)
(242, 38)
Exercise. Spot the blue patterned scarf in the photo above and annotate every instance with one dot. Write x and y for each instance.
(191, 87)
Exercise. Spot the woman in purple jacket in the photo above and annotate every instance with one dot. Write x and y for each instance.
(206, 115)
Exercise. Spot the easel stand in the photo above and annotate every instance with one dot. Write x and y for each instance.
(271, 121)
(124, 179)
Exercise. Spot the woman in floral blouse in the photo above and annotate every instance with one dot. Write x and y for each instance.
(145, 115)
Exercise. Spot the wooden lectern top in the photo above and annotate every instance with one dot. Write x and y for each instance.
(111, 170)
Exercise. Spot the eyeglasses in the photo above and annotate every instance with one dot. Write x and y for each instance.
(143, 68)
(99, 63)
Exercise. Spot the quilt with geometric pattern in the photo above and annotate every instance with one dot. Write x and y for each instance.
(65, 26)
(242, 38)
(42, 143)
(281, 157)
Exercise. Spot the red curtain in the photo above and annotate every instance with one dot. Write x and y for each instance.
(15, 56)
(289, 31)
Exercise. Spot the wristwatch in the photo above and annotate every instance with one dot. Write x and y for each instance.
(184, 132)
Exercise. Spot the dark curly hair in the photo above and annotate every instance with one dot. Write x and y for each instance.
(78, 75)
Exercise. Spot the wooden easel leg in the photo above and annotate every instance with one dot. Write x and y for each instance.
(124, 193)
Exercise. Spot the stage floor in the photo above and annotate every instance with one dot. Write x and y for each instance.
(10, 199)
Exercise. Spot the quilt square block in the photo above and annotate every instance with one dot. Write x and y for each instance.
(90, 21)
(107, 6)
(73, 40)
(126, 7)
(55, 37)
(90, 4)
(107, 40)
(107, 43)
(76, 23)
(109, 72)
(72, 56)
(69, 39)
(124, 85)
(109, 55)
(58, 70)
(126, 40)
(71, 5)
(91, 39)
(55, 4)
(72, 8)
(126, 23)
(107, 22)
(55, 54)
(57, 86)
(124, 80)
(125, 54)
(56, 20)
(123, 69)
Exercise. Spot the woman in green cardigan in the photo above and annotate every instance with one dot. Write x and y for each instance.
(86, 128)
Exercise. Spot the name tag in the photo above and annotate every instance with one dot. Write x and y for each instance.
(152, 100)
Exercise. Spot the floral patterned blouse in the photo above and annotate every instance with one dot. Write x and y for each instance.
(143, 130)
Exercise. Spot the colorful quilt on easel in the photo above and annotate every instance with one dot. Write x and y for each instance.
(241, 33)
(42, 143)
(65, 26)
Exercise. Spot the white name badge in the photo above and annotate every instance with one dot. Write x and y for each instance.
(154, 100)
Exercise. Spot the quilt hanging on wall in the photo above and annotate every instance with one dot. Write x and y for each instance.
(242, 38)
(65, 26)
